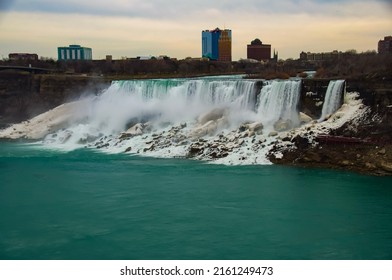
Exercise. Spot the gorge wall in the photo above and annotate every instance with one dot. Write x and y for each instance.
(24, 95)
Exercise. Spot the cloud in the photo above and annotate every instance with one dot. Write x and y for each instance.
(132, 28)
(181, 8)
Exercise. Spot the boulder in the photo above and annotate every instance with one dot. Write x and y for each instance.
(207, 128)
(212, 115)
(135, 130)
(300, 142)
(256, 127)
(149, 148)
(303, 118)
(282, 125)
(386, 166)
(272, 133)
(382, 151)
(195, 149)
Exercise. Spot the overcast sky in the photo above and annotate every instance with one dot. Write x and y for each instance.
(129, 28)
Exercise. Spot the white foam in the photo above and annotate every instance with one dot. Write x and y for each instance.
(168, 113)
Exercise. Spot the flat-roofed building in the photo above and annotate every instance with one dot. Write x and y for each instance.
(258, 51)
(385, 46)
(74, 52)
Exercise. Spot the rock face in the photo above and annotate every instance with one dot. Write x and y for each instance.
(46, 123)
(312, 96)
(24, 95)
(371, 154)
(340, 157)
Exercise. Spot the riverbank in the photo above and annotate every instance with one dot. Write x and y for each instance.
(366, 158)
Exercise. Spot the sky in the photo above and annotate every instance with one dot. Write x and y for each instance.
(130, 28)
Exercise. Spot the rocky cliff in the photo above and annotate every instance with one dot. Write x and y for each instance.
(363, 144)
(24, 95)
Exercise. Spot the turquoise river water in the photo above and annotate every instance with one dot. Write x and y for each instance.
(88, 205)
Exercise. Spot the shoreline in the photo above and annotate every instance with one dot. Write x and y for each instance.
(359, 158)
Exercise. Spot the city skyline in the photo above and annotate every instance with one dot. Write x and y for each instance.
(152, 27)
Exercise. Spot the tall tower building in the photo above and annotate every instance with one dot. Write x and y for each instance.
(224, 46)
(216, 44)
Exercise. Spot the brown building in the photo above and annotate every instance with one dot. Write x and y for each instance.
(23, 56)
(224, 45)
(258, 51)
(385, 46)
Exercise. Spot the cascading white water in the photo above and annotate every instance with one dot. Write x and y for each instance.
(220, 119)
(237, 93)
(172, 101)
(176, 99)
(279, 101)
(160, 101)
(333, 98)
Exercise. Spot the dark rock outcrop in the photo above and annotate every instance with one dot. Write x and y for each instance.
(24, 95)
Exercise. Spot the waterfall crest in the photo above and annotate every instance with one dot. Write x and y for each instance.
(173, 100)
(333, 98)
(278, 101)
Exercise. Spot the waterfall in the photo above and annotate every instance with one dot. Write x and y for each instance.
(189, 109)
(278, 101)
(238, 93)
(227, 120)
(172, 100)
(333, 97)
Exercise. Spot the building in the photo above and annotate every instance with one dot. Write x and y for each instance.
(318, 57)
(23, 56)
(74, 52)
(259, 51)
(385, 46)
(216, 44)
(224, 46)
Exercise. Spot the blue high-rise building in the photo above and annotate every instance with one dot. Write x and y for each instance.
(214, 47)
(210, 43)
(74, 52)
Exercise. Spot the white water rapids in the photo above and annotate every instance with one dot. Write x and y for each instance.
(227, 120)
